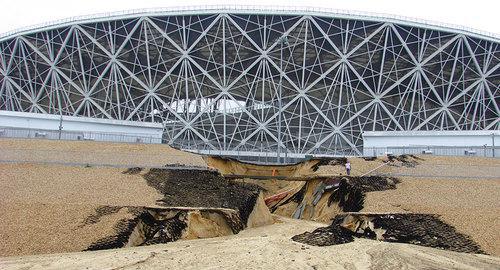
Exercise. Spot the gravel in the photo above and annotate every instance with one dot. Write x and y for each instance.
(44, 208)
(85, 152)
(49, 202)
(471, 206)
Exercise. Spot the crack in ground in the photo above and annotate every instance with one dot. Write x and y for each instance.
(151, 255)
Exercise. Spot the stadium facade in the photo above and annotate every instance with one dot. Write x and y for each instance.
(253, 81)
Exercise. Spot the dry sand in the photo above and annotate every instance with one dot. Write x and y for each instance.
(42, 207)
(43, 183)
(268, 247)
(39, 228)
(471, 206)
(427, 166)
(85, 152)
(464, 191)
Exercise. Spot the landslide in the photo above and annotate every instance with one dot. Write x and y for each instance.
(202, 188)
(418, 229)
(321, 198)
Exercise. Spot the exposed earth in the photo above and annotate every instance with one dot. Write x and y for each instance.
(260, 248)
(66, 202)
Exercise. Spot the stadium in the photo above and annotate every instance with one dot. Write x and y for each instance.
(253, 81)
(231, 137)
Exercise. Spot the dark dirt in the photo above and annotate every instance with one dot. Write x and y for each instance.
(123, 230)
(134, 170)
(163, 231)
(424, 230)
(406, 160)
(329, 161)
(100, 212)
(349, 197)
(156, 231)
(373, 183)
(417, 229)
(187, 166)
(180, 188)
(202, 188)
(326, 236)
(350, 192)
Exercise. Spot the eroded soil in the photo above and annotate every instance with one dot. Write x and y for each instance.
(419, 229)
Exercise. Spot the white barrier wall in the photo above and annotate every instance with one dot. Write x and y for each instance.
(394, 139)
(80, 127)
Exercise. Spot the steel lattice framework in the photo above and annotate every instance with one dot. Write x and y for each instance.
(254, 82)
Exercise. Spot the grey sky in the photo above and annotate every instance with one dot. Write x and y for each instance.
(478, 14)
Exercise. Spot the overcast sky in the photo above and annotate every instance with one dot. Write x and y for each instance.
(478, 14)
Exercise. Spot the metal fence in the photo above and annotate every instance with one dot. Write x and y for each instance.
(8, 132)
(480, 151)
(258, 157)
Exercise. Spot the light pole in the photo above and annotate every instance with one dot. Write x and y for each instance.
(283, 41)
(493, 144)
(60, 126)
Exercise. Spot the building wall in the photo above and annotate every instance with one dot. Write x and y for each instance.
(21, 124)
(378, 142)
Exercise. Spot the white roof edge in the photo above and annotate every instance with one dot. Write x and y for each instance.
(253, 9)
(82, 119)
(430, 132)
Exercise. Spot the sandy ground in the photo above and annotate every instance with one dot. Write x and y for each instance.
(34, 228)
(43, 183)
(268, 247)
(49, 202)
(470, 205)
(464, 191)
(428, 166)
(85, 152)
(270, 187)
(42, 207)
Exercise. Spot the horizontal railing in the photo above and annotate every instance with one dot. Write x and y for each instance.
(8, 132)
(256, 9)
(479, 151)
(261, 156)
